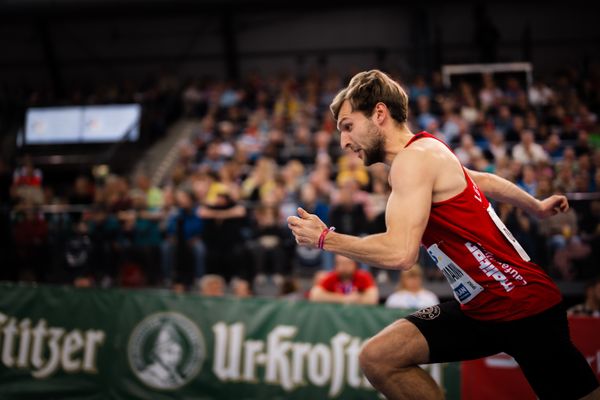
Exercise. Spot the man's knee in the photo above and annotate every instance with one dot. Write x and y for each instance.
(395, 347)
(370, 361)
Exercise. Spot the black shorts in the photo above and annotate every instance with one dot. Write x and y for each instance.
(540, 344)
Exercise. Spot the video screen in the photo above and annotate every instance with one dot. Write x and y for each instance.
(93, 124)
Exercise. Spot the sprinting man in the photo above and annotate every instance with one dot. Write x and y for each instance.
(503, 301)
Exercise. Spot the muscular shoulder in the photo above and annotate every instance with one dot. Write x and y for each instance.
(420, 161)
(428, 162)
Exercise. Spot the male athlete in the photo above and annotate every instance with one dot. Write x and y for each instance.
(503, 301)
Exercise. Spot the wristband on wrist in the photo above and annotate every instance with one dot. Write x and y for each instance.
(321, 241)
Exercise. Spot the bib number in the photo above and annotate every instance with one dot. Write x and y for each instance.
(464, 287)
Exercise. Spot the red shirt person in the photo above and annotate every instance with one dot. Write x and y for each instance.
(347, 284)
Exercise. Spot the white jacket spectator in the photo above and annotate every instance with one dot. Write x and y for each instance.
(410, 292)
(527, 151)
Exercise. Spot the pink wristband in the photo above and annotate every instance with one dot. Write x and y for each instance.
(321, 242)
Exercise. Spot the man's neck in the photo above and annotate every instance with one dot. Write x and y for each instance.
(396, 141)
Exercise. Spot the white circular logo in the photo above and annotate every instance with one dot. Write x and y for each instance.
(166, 350)
(428, 313)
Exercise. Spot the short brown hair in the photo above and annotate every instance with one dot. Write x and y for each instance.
(368, 88)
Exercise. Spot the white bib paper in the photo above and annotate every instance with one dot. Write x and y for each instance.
(464, 287)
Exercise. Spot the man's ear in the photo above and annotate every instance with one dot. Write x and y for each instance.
(380, 113)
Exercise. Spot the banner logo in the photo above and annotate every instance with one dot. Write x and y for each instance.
(166, 350)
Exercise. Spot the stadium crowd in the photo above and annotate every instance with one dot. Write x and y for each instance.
(267, 145)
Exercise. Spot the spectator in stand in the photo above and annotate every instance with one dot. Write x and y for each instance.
(410, 292)
(468, 151)
(553, 147)
(27, 183)
(564, 241)
(346, 284)
(271, 246)
(30, 235)
(351, 167)
(540, 95)
(503, 120)
(153, 194)
(290, 289)
(184, 236)
(224, 234)
(348, 216)
(528, 181)
(213, 160)
(527, 151)
(241, 288)
(489, 95)
(83, 191)
(212, 286)
(424, 115)
(419, 88)
(591, 305)
(497, 147)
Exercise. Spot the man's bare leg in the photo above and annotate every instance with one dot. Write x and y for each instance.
(390, 361)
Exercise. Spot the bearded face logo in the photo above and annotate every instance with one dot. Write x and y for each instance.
(166, 351)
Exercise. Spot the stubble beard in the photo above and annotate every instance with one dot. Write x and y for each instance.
(375, 153)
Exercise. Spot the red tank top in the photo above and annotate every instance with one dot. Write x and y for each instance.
(490, 273)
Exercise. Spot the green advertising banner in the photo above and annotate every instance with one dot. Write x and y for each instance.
(67, 343)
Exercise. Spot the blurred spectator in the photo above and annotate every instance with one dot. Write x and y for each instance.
(184, 236)
(346, 284)
(420, 88)
(468, 151)
(497, 147)
(351, 168)
(226, 234)
(290, 289)
(271, 246)
(527, 151)
(241, 288)
(143, 226)
(27, 183)
(212, 285)
(83, 191)
(591, 305)
(528, 181)
(30, 232)
(78, 252)
(153, 195)
(540, 95)
(348, 216)
(489, 95)
(410, 292)
(83, 282)
(564, 242)
(424, 115)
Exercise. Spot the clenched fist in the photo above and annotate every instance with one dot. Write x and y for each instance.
(307, 228)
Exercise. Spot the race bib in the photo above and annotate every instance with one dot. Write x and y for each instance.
(464, 287)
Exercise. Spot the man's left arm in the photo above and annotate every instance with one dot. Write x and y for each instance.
(503, 190)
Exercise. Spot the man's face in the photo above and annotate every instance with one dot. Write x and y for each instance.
(360, 135)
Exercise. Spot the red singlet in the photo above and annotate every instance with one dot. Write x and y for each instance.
(490, 273)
